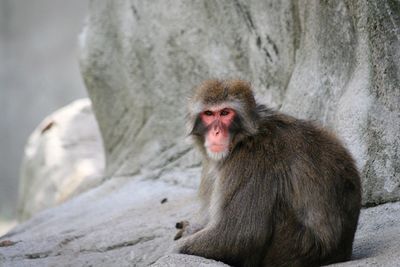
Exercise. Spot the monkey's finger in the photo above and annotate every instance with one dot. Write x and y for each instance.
(182, 224)
(178, 235)
(179, 225)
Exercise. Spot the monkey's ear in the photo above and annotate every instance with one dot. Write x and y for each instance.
(198, 128)
(237, 125)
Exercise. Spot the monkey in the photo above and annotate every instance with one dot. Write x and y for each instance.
(274, 191)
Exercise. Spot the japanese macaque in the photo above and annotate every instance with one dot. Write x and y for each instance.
(275, 190)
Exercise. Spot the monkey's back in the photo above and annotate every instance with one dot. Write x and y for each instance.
(317, 185)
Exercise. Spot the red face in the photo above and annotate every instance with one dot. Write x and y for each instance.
(217, 122)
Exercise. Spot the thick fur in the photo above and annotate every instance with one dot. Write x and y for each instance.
(287, 194)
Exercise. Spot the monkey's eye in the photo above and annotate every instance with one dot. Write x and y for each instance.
(208, 113)
(224, 112)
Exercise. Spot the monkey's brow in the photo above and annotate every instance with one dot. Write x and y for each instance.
(216, 107)
(225, 94)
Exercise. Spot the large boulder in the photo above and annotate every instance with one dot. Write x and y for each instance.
(63, 157)
(333, 62)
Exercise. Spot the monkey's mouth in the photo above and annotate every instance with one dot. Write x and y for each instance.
(217, 148)
(217, 155)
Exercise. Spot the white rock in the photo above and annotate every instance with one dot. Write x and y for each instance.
(64, 157)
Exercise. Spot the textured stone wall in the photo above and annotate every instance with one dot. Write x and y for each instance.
(330, 61)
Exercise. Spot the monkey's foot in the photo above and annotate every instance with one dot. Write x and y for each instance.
(182, 226)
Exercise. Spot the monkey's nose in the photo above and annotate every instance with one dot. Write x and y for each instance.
(216, 130)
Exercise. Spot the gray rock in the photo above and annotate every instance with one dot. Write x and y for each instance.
(121, 223)
(333, 62)
(376, 242)
(346, 75)
(179, 260)
(377, 238)
(63, 157)
(124, 223)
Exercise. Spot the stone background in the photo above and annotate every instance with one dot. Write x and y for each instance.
(334, 62)
(39, 74)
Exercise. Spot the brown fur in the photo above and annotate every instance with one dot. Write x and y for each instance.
(288, 194)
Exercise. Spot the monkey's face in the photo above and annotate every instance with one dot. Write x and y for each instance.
(217, 138)
(221, 114)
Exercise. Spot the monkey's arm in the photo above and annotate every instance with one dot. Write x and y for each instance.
(201, 218)
(242, 228)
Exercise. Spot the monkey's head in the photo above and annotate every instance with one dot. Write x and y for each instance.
(221, 113)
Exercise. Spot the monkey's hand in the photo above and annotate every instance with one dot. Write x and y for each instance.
(186, 229)
(181, 226)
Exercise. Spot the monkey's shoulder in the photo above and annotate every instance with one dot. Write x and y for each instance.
(283, 137)
(277, 126)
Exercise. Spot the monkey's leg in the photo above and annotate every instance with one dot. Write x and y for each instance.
(241, 232)
(185, 228)
(328, 219)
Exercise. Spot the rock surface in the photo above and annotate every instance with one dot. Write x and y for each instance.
(175, 260)
(64, 157)
(123, 223)
(329, 61)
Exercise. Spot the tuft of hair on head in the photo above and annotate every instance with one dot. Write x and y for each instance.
(214, 92)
